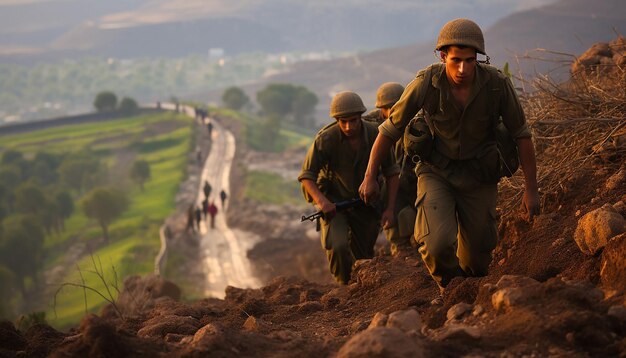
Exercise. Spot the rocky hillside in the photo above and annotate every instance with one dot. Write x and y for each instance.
(556, 285)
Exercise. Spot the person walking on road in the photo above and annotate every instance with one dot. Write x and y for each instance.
(209, 127)
(206, 189)
(190, 217)
(223, 197)
(212, 212)
(198, 213)
(205, 207)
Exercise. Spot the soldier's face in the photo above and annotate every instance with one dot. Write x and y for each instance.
(350, 126)
(460, 65)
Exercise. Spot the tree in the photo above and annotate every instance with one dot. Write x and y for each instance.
(128, 105)
(21, 247)
(105, 101)
(140, 172)
(65, 203)
(304, 107)
(29, 199)
(11, 156)
(104, 205)
(276, 99)
(235, 98)
(82, 171)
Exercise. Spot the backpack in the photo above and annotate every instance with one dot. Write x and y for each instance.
(421, 146)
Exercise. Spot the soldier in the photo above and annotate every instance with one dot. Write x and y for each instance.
(457, 182)
(401, 234)
(386, 96)
(341, 151)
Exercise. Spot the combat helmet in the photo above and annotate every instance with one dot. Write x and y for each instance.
(388, 94)
(346, 103)
(461, 32)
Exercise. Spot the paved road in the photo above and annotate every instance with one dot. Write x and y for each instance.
(224, 251)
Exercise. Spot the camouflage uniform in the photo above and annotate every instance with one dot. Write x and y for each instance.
(351, 234)
(457, 186)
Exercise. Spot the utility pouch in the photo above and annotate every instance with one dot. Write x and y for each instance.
(418, 140)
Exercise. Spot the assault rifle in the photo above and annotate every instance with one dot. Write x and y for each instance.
(340, 206)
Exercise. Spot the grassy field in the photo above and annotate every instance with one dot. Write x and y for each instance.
(164, 141)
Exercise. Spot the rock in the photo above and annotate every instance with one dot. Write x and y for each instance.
(141, 293)
(206, 333)
(616, 180)
(160, 326)
(331, 299)
(618, 312)
(285, 336)
(174, 337)
(478, 310)
(254, 324)
(612, 272)
(380, 342)
(379, 320)
(458, 311)
(406, 320)
(505, 298)
(457, 331)
(507, 281)
(597, 227)
(310, 307)
(357, 326)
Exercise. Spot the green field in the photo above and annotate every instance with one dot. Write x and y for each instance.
(164, 141)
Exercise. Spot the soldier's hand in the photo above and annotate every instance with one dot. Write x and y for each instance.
(530, 204)
(329, 209)
(388, 219)
(369, 190)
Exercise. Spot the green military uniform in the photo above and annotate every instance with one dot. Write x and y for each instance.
(351, 234)
(374, 116)
(402, 232)
(457, 186)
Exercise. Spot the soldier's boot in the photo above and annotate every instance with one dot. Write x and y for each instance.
(402, 249)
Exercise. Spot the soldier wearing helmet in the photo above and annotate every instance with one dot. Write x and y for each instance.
(462, 101)
(399, 235)
(340, 154)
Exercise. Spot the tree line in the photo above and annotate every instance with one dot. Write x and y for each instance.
(281, 104)
(37, 196)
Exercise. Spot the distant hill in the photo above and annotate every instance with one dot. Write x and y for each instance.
(139, 28)
(569, 26)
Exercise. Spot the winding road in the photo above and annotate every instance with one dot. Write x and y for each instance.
(223, 250)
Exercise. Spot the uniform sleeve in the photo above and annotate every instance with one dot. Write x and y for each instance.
(512, 112)
(313, 162)
(404, 110)
(389, 165)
